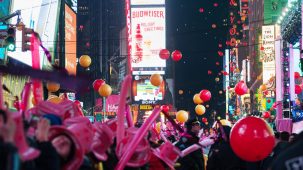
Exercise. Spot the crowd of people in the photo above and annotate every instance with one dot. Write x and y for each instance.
(55, 142)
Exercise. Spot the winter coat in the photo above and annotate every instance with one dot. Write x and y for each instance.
(194, 160)
(9, 158)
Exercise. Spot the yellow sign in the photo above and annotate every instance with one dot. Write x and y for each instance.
(146, 107)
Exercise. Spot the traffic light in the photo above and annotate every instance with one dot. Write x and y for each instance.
(10, 40)
(26, 34)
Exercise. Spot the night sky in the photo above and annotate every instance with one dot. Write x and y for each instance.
(190, 30)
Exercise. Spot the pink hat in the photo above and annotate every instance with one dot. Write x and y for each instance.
(52, 108)
(168, 153)
(84, 133)
(142, 152)
(103, 139)
(26, 153)
(73, 110)
(77, 159)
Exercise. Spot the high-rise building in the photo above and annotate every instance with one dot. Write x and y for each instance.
(98, 27)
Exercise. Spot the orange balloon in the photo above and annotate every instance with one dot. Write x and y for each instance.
(158, 127)
(54, 99)
(34, 101)
(156, 79)
(105, 90)
(263, 87)
(85, 61)
(52, 87)
(182, 116)
(197, 99)
(200, 109)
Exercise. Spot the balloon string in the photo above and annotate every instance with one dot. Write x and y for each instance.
(47, 53)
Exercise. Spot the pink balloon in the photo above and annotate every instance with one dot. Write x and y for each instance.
(97, 83)
(241, 88)
(164, 54)
(298, 89)
(252, 139)
(176, 55)
(205, 95)
(126, 84)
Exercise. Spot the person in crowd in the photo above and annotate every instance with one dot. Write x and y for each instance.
(9, 158)
(290, 158)
(194, 160)
(221, 155)
(292, 137)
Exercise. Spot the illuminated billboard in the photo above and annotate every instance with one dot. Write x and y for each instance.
(146, 93)
(70, 40)
(147, 2)
(42, 16)
(147, 39)
(268, 55)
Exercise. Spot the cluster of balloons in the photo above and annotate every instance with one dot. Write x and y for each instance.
(102, 88)
(175, 55)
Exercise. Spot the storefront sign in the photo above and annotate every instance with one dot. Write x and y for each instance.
(146, 107)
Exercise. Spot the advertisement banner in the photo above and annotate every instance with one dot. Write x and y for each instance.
(112, 103)
(148, 38)
(147, 2)
(144, 92)
(42, 16)
(70, 41)
(268, 55)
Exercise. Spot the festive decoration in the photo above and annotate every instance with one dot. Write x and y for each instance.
(52, 87)
(214, 26)
(158, 127)
(197, 99)
(182, 116)
(266, 115)
(85, 61)
(54, 99)
(252, 139)
(97, 84)
(180, 92)
(240, 88)
(298, 89)
(176, 55)
(217, 79)
(220, 53)
(263, 88)
(297, 75)
(34, 101)
(165, 108)
(164, 54)
(201, 10)
(156, 79)
(200, 109)
(204, 119)
(205, 95)
(105, 90)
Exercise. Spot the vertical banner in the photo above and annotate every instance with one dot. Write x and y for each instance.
(268, 56)
(148, 38)
(37, 84)
(70, 41)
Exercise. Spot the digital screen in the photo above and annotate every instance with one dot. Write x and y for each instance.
(42, 16)
(144, 90)
(147, 2)
(70, 41)
(147, 39)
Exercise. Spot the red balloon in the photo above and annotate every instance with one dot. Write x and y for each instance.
(176, 55)
(266, 115)
(252, 139)
(17, 105)
(209, 72)
(298, 89)
(164, 54)
(165, 108)
(297, 75)
(201, 10)
(241, 88)
(205, 95)
(97, 83)
(220, 53)
(204, 119)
